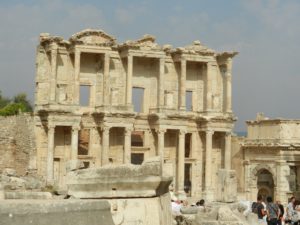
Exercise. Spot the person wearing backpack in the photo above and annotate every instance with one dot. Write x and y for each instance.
(272, 212)
(259, 210)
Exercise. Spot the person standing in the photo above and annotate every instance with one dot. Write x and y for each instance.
(272, 212)
(280, 206)
(258, 208)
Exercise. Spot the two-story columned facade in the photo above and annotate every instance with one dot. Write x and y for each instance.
(109, 103)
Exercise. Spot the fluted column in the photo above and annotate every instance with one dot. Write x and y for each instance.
(181, 159)
(228, 78)
(105, 146)
(76, 77)
(127, 146)
(208, 164)
(74, 143)
(160, 93)
(129, 80)
(227, 150)
(53, 73)
(161, 146)
(182, 85)
(106, 80)
(50, 155)
(209, 77)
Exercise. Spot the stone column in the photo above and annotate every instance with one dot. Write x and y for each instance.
(129, 80)
(208, 165)
(281, 181)
(181, 159)
(228, 76)
(209, 77)
(182, 85)
(161, 146)
(227, 151)
(127, 146)
(53, 73)
(50, 155)
(105, 146)
(160, 93)
(74, 143)
(76, 77)
(106, 80)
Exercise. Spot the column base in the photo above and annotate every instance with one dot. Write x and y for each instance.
(208, 195)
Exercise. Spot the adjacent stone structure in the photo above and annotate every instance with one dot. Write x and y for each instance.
(269, 159)
(142, 100)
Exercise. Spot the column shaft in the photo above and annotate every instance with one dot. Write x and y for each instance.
(105, 146)
(74, 143)
(53, 74)
(161, 146)
(129, 80)
(182, 84)
(181, 159)
(160, 94)
(106, 81)
(76, 77)
(127, 146)
(227, 151)
(228, 86)
(209, 77)
(50, 155)
(208, 160)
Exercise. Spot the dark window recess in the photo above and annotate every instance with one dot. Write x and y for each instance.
(187, 148)
(86, 164)
(137, 158)
(83, 142)
(137, 138)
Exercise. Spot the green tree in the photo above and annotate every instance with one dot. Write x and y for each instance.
(22, 98)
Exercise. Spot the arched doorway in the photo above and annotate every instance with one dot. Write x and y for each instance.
(265, 183)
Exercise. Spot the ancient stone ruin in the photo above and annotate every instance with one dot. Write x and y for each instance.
(105, 102)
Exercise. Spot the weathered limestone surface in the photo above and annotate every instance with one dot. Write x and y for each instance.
(124, 181)
(227, 186)
(143, 100)
(17, 143)
(271, 159)
(58, 212)
(27, 195)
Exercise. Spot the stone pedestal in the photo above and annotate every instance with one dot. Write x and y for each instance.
(227, 186)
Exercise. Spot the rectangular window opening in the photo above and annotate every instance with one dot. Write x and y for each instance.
(83, 142)
(137, 158)
(137, 138)
(187, 178)
(187, 153)
(137, 99)
(86, 164)
(84, 94)
(189, 100)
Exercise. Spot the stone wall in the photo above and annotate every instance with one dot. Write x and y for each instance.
(17, 144)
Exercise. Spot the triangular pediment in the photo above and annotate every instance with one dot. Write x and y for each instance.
(93, 37)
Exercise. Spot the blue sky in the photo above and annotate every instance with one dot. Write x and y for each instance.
(266, 74)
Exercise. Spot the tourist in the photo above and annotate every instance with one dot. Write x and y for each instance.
(272, 212)
(280, 206)
(258, 208)
(290, 211)
(200, 204)
(176, 206)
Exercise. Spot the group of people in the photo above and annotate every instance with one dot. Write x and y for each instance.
(271, 213)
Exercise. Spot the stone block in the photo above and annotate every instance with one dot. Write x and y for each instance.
(72, 165)
(2, 196)
(9, 172)
(58, 212)
(27, 195)
(227, 186)
(124, 181)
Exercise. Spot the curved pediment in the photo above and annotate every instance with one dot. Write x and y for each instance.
(93, 37)
(147, 42)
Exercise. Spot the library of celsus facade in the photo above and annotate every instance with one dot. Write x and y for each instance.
(104, 102)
